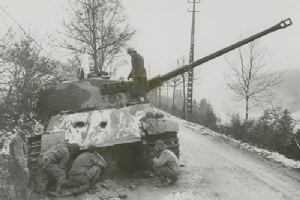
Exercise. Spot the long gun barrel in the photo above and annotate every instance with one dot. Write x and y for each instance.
(158, 80)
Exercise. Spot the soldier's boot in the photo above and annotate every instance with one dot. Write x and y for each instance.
(164, 182)
(173, 180)
(58, 188)
(52, 194)
(61, 184)
(75, 191)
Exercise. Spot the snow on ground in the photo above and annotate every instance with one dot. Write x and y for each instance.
(180, 196)
(216, 169)
(274, 156)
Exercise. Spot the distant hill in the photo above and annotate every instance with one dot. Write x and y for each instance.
(296, 117)
(288, 93)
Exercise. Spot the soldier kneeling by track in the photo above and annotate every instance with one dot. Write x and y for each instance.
(87, 168)
(54, 162)
(166, 164)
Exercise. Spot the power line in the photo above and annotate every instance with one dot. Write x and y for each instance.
(25, 32)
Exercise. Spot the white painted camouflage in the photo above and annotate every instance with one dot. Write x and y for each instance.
(123, 126)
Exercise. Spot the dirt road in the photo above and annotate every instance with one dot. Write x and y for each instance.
(217, 170)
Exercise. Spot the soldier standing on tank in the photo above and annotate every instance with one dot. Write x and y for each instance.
(165, 164)
(87, 168)
(138, 74)
(54, 162)
(18, 170)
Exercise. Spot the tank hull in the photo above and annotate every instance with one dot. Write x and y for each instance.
(121, 135)
(88, 128)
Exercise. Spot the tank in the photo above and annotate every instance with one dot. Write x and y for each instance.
(104, 113)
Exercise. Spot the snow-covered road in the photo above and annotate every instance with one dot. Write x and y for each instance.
(215, 169)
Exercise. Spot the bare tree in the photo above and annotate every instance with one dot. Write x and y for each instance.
(24, 73)
(174, 83)
(98, 28)
(250, 81)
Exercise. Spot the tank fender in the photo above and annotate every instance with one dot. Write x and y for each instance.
(158, 126)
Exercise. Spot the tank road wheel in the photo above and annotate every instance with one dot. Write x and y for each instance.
(170, 139)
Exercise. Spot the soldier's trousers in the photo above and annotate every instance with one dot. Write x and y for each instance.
(89, 178)
(165, 171)
(140, 86)
(53, 170)
(20, 182)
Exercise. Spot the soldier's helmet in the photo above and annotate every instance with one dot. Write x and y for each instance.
(159, 115)
(149, 115)
(92, 148)
(130, 49)
(160, 145)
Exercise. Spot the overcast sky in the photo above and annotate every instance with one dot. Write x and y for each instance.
(163, 34)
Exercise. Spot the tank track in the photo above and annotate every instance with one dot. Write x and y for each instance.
(170, 139)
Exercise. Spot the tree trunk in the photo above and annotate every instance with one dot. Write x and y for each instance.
(101, 54)
(247, 108)
(95, 55)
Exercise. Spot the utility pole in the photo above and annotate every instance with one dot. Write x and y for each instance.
(191, 59)
(181, 62)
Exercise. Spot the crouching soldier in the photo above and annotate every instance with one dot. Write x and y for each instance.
(166, 164)
(54, 162)
(87, 168)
